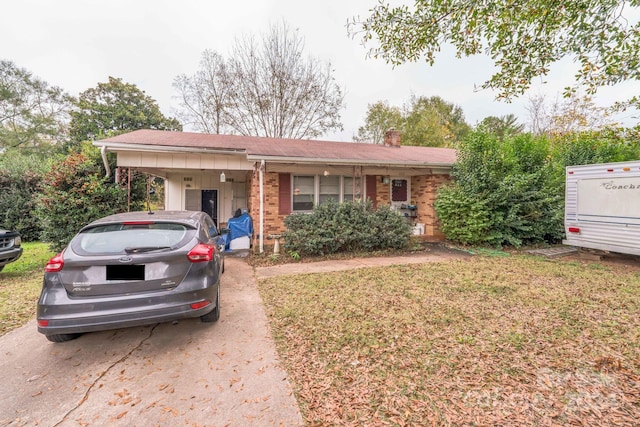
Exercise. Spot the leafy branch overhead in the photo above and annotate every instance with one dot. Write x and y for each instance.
(523, 38)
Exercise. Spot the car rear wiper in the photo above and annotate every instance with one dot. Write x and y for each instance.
(141, 249)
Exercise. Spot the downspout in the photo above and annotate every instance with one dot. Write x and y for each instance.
(261, 181)
(103, 153)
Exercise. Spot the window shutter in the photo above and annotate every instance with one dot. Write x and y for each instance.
(371, 183)
(284, 194)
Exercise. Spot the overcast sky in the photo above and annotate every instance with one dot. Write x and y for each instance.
(75, 44)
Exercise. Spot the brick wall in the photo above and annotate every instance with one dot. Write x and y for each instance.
(423, 193)
(273, 222)
(383, 193)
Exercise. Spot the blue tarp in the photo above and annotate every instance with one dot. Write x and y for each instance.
(240, 226)
(225, 239)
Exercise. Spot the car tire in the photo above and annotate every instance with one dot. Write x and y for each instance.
(214, 314)
(62, 337)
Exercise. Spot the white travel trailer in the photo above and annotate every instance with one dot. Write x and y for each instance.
(602, 207)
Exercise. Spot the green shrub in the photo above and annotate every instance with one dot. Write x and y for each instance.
(75, 192)
(345, 227)
(464, 219)
(511, 191)
(503, 193)
(20, 183)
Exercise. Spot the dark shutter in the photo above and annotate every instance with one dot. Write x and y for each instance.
(371, 183)
(284, 194)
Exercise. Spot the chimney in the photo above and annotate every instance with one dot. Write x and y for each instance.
(392, 138)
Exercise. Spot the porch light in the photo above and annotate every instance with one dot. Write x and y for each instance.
(385, 179)
(223, 178)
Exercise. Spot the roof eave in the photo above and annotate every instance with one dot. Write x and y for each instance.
(334, 161)
(122, 146)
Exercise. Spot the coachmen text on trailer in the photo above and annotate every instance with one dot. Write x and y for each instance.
(602, 207)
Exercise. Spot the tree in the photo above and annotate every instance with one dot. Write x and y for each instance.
(426, 121)
(523, 38)
(433, 122)
(503, 126)
(380, 118)
(538, 115)
(264, 89)
(575, 113)
(116, 107)
(205, 97)
(583, 148)
(32, 113)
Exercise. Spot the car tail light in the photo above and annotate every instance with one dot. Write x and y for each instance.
(574, 230)
(201, 252)
(43, 323)
(55, 264)
(201, 304)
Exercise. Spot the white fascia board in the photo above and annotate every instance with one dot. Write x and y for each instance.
(119, 146)
(351, 162)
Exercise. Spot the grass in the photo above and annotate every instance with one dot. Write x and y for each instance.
(20, 284)
(484, 341)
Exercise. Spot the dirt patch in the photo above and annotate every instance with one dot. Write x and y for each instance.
(421, 248)
(631, 263)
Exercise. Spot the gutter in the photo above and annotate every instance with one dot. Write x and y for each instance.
(103, 153)
(165, 148)
(261, 179)
(349, 162)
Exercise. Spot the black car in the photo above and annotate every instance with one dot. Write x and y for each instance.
(133, 269)
(10, 249)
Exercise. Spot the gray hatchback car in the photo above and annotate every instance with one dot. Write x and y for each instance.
(133, 269)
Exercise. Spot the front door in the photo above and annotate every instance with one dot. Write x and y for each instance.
(210, 204)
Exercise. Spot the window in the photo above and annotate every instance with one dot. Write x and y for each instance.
(303, 193)
(117, 238)
(349, 190)
(311, 190)
(210, 228)
(329, 189)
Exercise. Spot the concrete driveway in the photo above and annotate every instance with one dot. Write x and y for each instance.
(187, 373)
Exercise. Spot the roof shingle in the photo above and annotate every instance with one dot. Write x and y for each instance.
(289, 149)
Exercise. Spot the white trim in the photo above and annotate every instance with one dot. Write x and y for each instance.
(358, 162)
(165, 148)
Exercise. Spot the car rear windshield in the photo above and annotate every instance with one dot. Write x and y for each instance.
(131, 238)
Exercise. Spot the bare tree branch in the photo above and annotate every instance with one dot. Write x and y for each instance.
(266, 88)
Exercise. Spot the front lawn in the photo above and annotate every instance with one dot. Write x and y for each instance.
(484, 341)
(20, 285)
